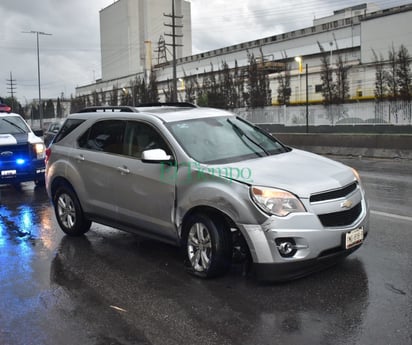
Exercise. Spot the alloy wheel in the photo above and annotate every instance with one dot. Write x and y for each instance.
(199, 247)
(66, 210)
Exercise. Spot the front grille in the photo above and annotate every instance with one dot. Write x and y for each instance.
(341, 218)
(334, 194)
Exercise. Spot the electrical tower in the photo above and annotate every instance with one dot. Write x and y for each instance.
(11, 87)
(174, 45)
(161, 51)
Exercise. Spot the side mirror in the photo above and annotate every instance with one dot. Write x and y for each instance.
(38, 132)
(155, 156)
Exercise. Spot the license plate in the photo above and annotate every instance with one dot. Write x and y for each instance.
(6, 173)
(353, 238)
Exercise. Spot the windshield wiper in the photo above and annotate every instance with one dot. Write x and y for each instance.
(13, 124)
(242, 133)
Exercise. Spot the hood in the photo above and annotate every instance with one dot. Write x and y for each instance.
(299, 172)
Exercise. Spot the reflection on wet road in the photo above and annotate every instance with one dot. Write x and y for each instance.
(111, 287)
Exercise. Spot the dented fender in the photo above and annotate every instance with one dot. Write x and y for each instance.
(206, 190)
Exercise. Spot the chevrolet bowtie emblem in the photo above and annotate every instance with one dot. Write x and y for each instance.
(6, 153)
(346, 204)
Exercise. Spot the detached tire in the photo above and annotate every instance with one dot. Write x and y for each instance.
(207, 246)
(69, 213)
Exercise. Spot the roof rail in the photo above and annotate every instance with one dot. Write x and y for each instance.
(168, 104)
(109, 108)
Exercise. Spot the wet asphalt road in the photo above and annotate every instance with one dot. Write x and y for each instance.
(114, 288)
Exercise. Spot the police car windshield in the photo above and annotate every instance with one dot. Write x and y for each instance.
(12, 125)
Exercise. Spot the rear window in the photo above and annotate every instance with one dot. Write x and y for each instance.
(69, 126)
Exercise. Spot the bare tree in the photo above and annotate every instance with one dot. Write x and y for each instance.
(404, 78)
(391, 75)
(95, 97)
(239, 86)
(380, 85)
(191, 86)
(342, 82)
(113, 96)
(152, 91)
(259, 94)
(326, 76)
(284, 90)
(168, 92)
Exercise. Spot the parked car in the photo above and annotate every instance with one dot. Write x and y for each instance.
(51, 131)
(22, 152)
(210, 182)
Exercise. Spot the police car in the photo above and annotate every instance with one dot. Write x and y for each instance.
(22, 153)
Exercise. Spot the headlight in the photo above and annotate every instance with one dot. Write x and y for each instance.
(355, 172)
(39, 150)
(276, 201)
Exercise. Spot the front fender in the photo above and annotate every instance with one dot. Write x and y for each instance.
(228, 196)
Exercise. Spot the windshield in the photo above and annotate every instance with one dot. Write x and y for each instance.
(223, 140)
(12, 125)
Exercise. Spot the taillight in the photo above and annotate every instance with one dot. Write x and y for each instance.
(39, 150)
(48, 154)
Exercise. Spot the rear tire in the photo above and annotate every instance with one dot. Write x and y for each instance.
(69, 213)
(207, 246)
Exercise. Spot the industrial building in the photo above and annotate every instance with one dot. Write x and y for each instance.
(132, 35)
(131, 46)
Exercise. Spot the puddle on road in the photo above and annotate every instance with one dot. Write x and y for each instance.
(25, 215)
(27, 231)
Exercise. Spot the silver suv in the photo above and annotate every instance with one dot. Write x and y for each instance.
(208, 181)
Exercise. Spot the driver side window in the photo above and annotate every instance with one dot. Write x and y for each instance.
(141, 137)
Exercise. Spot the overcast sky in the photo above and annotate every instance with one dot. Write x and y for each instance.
(70, 56)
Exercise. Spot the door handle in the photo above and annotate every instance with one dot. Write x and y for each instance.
(123, 170)
(80, 158)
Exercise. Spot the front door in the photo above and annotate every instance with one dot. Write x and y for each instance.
(144, 198)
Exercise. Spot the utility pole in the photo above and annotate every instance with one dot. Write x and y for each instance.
(174, 45)
(307, 98)
(37, 33)
(11, 86)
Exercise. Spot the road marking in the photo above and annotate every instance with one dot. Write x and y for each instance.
(391, 215)
(118, 308)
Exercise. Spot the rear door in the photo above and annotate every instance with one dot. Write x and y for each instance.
(95, 160)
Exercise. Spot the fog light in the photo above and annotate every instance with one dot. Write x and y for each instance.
(286, 246)
(20, 161)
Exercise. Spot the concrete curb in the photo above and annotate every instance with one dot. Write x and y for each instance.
(367, 145)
